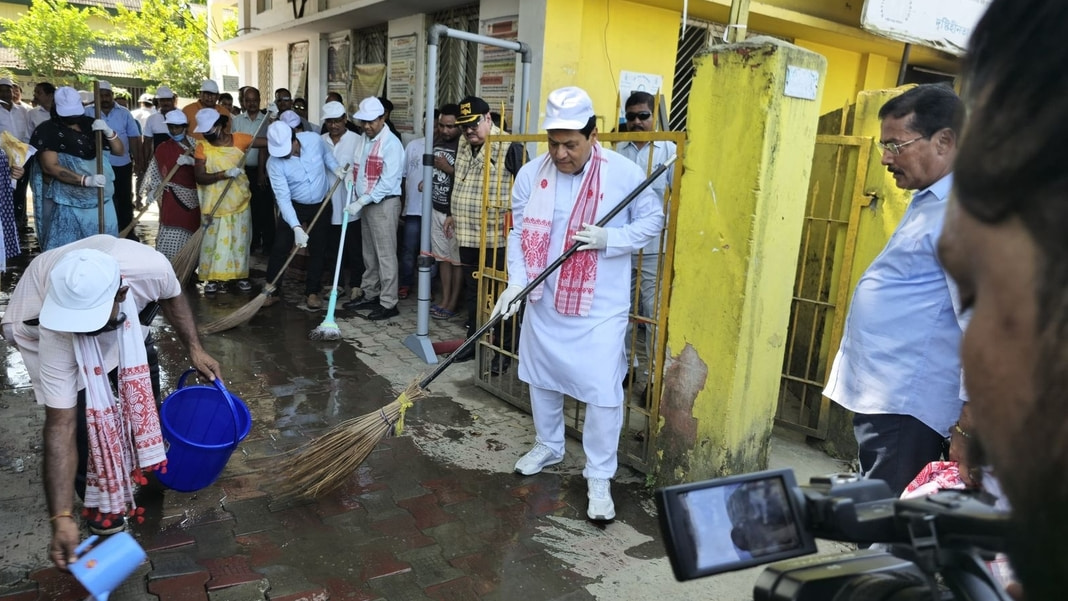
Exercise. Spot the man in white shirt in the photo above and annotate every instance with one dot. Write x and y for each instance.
(14, 118)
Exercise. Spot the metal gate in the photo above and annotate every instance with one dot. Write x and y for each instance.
(822, 288)
(647, 335)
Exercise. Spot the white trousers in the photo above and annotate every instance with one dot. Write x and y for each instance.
(600, 431)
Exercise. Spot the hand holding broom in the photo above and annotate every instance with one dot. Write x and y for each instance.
(326, 462)
(250, 308)
(157, 194)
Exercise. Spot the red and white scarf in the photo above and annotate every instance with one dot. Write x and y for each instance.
(375, 164)
(578, 274)
(124, 436)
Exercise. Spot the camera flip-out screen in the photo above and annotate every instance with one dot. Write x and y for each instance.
(732, 523)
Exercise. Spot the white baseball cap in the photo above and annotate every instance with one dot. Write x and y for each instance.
(370, 109)
(291, 119)
(86, 96)
(68, 102)
(176, 117)
(209, 86)
(206, 119)
(164, 92)
(567, 108)
(81, 292)
(104, 85)
(6, 81)
(333, 110)
(146, 97)
(279, 139)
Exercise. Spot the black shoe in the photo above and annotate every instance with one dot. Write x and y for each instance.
(500, 364)
(383, 313)
(101, 526)
(467, 355)
(359, 305)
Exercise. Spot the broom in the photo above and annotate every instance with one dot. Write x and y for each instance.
(325, 463)
(156, 199)
(186, 259)
(328, 330)
(250, 308)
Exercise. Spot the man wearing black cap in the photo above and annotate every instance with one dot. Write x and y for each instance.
(466, 206)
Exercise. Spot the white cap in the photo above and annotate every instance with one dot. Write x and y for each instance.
(370, 109)
(291, 119)
(6, 81)
(104, 85)
(176, 117)
(164, 92)
(68, 102)
(86, 96)
(279, 139)
(567, 108)
(81, 292)
(209, 86)
(146, 97)
(206, 119)
(333, 110)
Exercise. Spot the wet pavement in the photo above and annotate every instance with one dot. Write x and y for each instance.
(433, 514)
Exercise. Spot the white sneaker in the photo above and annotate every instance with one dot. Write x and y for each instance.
(538, 457)
(601, 507)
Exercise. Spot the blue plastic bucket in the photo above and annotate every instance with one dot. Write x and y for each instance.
(202, 426)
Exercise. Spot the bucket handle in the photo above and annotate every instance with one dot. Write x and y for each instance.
(226, 394)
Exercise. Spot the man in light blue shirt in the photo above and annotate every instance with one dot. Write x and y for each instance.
(898, 367)
(379, 166)
(124, 165)
(297, 172)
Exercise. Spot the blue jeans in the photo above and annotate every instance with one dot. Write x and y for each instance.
(409, 248)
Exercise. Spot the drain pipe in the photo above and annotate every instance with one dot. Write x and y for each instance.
(419, 342)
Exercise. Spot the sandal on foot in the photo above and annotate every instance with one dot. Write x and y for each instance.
(441, 313)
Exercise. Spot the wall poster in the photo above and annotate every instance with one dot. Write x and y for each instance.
(298, 68)
(497, 83)
(338, 61)
(400, 80)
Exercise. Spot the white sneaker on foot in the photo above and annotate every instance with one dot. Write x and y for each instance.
(537, 458)
(601, 507)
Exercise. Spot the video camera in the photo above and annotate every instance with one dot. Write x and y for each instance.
(754, 519)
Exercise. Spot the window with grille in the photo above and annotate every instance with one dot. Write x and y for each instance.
(457, 59)
(265, 70)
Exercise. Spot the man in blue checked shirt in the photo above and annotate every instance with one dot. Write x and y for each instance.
(297, 171)
(898, 368)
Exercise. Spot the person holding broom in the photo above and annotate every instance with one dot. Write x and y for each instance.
(581, 310)
(74, 318)
(170, 179)
(218, 158)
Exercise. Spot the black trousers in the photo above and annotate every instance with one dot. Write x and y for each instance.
(352, 261)
(20, 198)
(283, 244)
(468, 266)
(123, 198)
(262, 207)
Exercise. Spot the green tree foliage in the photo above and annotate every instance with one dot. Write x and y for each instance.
(52, 39)
(175, 40)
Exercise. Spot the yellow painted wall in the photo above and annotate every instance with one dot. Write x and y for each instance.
(587, 43)
(849, 72)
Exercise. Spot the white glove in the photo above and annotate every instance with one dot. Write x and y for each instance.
(234, 172)
(592, 237)
(341, 172)
(272, 111)
(299, 237)
(185, 159)
(94, 181)
(507, 303)
(357, 205)
(102, 126)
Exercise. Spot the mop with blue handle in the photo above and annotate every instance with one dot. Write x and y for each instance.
(328, 330)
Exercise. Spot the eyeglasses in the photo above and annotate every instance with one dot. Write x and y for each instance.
(895, 147)
(640, 115)
(285, 99)
(472, 126)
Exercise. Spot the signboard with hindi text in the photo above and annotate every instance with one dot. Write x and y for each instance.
(945, 25)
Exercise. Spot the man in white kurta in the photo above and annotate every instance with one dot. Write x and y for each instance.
(574, 324)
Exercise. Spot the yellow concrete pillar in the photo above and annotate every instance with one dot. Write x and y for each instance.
(743, 194)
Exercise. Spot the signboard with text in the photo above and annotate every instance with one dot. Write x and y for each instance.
(945, 25)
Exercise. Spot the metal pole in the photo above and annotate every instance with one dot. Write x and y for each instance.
(419, 342)
(739, 21)
(904, 64)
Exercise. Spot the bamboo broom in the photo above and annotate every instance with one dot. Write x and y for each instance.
(158, 198)
(186, 259)
(250, 308)
(325, 463)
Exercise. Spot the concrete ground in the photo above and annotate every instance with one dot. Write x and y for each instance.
(433, 514)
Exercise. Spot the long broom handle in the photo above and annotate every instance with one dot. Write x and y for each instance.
(546, 272)
(144, 209)
(332, 304)
(270, 287)
(99, 158)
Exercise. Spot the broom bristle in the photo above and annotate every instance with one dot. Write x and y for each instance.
(327, 462)
(236, 318)
(188, 256)
(325, 331)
